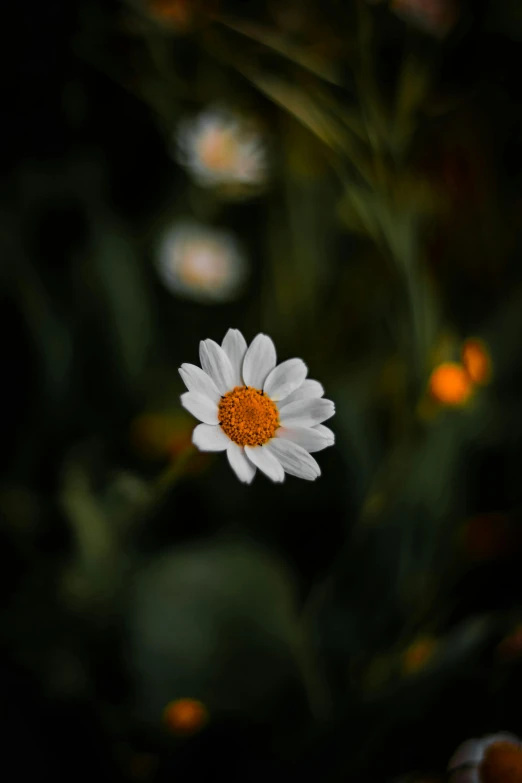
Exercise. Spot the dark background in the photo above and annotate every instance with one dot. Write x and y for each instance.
(413, 530)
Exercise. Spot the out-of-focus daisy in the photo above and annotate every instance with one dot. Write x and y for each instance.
(264, 415)
(201, 262)
(221, 148)
(496, 758)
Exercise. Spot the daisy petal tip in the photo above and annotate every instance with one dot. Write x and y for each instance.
(315, 471)
(208, 437)
(242, 467)
(247, 480)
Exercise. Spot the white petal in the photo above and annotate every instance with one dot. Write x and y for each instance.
(262, 458)
(307, 437)
(306, 413)
(294, 459)
(242, 467)
(285, 378)
(209, 438)
(260, 359)
(196, 380)
(216, 363)
(307, 390)
(235, 346)
(470, 752)
(327, 432)
(200, 407)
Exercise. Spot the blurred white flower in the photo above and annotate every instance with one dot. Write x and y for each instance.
(263, 414)
(220, 148)
(201, 262)
(496, 758)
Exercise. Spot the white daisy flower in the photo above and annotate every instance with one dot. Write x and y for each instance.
(201, 262)
(219, 148)
(492, 759)
(263, 414)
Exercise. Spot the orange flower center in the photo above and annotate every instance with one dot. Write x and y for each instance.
(247, 416)
(502, 763)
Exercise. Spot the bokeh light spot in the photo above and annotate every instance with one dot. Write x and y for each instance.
(450, 384)
(185, 716)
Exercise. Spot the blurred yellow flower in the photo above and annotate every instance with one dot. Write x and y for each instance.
(185, 716)
(450, 384)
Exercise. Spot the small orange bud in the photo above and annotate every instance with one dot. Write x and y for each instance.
(476, 360)
(418, 655)
(185, 716)
(450, 384)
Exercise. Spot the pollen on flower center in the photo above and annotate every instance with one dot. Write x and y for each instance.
(502, 763)
(247, 416)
